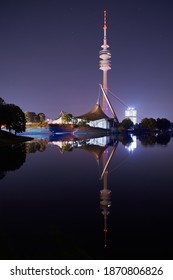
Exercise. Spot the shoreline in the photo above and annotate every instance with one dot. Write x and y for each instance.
(8, 139)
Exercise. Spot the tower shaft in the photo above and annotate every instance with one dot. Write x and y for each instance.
(104, 102)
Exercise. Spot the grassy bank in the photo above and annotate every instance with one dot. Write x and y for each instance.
(7, 139)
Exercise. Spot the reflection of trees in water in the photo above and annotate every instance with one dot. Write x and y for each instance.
(163, 139)
(12, 158)
(149, 139)
(36, 145)
(125, 138)
(145, 139)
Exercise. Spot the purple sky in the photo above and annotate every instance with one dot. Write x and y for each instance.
(49, 55)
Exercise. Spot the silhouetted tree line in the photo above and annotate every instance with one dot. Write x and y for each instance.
(12, 117)
(149, 124)
(34, 118)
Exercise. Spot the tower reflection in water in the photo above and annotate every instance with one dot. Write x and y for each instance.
(103, 150)
(105, 193)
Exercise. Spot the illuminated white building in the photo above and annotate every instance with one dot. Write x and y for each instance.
(96, 117)
(131, 114)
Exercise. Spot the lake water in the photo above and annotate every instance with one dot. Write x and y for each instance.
(101, 198)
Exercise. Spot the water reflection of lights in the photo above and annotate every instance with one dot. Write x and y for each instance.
(133, 145)
(101, 142)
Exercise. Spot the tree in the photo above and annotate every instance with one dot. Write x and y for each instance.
(36, 118)
(16, 118)
(12, 117)
(2, 112)
(148, 123)
(31, 117)
(41, 117)
(67, 118)
(126, 124)
(2, 116)
(163, 124)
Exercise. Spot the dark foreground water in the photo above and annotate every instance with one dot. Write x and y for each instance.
(95, 199)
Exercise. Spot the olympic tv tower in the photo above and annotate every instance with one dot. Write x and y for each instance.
(105, 64)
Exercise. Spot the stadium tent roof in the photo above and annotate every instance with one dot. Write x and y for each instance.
(96, 113)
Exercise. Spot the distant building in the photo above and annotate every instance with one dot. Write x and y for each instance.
(131, 114)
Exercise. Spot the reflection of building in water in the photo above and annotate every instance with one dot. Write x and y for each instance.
(103, 154)
(101, 141)
(105, 193)
(63, 146)
(133, 145)
(131, 114)
(69, 141)
(102, 149)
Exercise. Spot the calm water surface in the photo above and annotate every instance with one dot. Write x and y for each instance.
(87, 199)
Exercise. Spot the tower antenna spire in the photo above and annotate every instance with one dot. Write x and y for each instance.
(105, 23)
(104, 28)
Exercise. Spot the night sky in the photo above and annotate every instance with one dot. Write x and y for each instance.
(49, 55)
